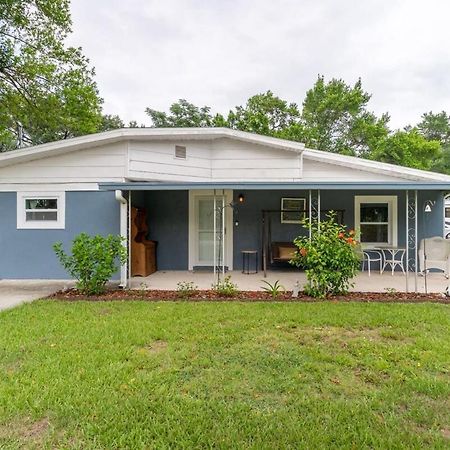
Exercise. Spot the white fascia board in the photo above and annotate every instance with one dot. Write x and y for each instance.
(93, 140)
(374, 166)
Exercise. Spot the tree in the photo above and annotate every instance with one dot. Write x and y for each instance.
(134, 124)
(408, 148)
(111, 122)
(269, 115)
(45, 87)
(336, 118)
(435, 127)
(184, 114)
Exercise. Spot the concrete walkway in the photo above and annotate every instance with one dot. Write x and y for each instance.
(16, 292)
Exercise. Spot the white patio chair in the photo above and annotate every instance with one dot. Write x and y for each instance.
(434, 253)
(372, 256)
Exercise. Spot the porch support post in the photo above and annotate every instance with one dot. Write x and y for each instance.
(130, 204)
(411, 237)
(314, 207)
(407, 240)
(264, 244)
(416, 269)
(318, 209)
(223, 232)
(310, 212)
(124, 234)
(215, 236)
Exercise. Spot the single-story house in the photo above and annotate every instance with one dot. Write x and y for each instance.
(197, 186)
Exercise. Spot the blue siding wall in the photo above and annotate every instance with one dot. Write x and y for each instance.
(29, 253)
(168, 217)
(248, 234)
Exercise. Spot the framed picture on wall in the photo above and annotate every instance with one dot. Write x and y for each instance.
(292, 209)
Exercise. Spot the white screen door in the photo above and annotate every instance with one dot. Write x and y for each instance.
(201, 233)
(205, 230)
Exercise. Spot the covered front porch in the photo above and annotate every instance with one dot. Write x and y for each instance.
(376, 282)
(198, 226)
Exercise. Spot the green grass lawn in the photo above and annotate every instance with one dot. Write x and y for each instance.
(224, 375)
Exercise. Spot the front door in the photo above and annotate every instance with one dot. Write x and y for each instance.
(202, 216)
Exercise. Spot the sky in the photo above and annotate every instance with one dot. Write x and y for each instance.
(218, 53)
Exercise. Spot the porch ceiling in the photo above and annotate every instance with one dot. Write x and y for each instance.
(347, 185)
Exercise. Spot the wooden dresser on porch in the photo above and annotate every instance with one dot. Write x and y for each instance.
(143, 251)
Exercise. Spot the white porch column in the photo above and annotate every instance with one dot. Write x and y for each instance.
(215, 265)
(411, 237)
(314, 207)
(124, 234)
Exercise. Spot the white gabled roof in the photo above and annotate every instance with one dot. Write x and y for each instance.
(123, 134)
(186, 134)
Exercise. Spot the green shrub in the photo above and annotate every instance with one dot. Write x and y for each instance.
(225, 287)
(186, 289)
(93, 261)
(330, 257)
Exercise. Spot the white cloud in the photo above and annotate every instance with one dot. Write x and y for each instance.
(218, 53)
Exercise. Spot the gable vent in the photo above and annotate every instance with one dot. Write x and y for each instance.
(180, 152)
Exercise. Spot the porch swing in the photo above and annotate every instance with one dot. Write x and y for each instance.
(281, 252)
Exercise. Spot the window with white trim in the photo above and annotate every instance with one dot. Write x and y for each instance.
(42, 210)
(376, 219)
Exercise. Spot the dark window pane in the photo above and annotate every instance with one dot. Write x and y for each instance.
(374, 212)
(447, 213)
(374, 233)
(41, 203)
(38, 215)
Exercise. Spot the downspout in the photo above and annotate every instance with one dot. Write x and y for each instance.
(124, 234)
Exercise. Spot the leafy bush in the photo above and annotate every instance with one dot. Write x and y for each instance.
(186, 289)
(330, 257)
(274, 289)
(93, 260)
(225, 287)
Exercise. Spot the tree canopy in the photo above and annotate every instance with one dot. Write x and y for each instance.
(408, 148)
(437, 127)
(334, 117)
(45, 87)
(337, 119)
(182, 114)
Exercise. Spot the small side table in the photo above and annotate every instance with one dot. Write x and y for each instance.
(394, 257)
(246, 254)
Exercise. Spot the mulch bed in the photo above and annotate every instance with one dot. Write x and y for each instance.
(248, 296)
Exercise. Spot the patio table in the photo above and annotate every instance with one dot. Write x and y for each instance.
(393, 256)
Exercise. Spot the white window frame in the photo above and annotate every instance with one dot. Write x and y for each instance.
(23, 224)
(392, 201)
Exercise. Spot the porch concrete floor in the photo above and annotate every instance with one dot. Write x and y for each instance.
(168, 280)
